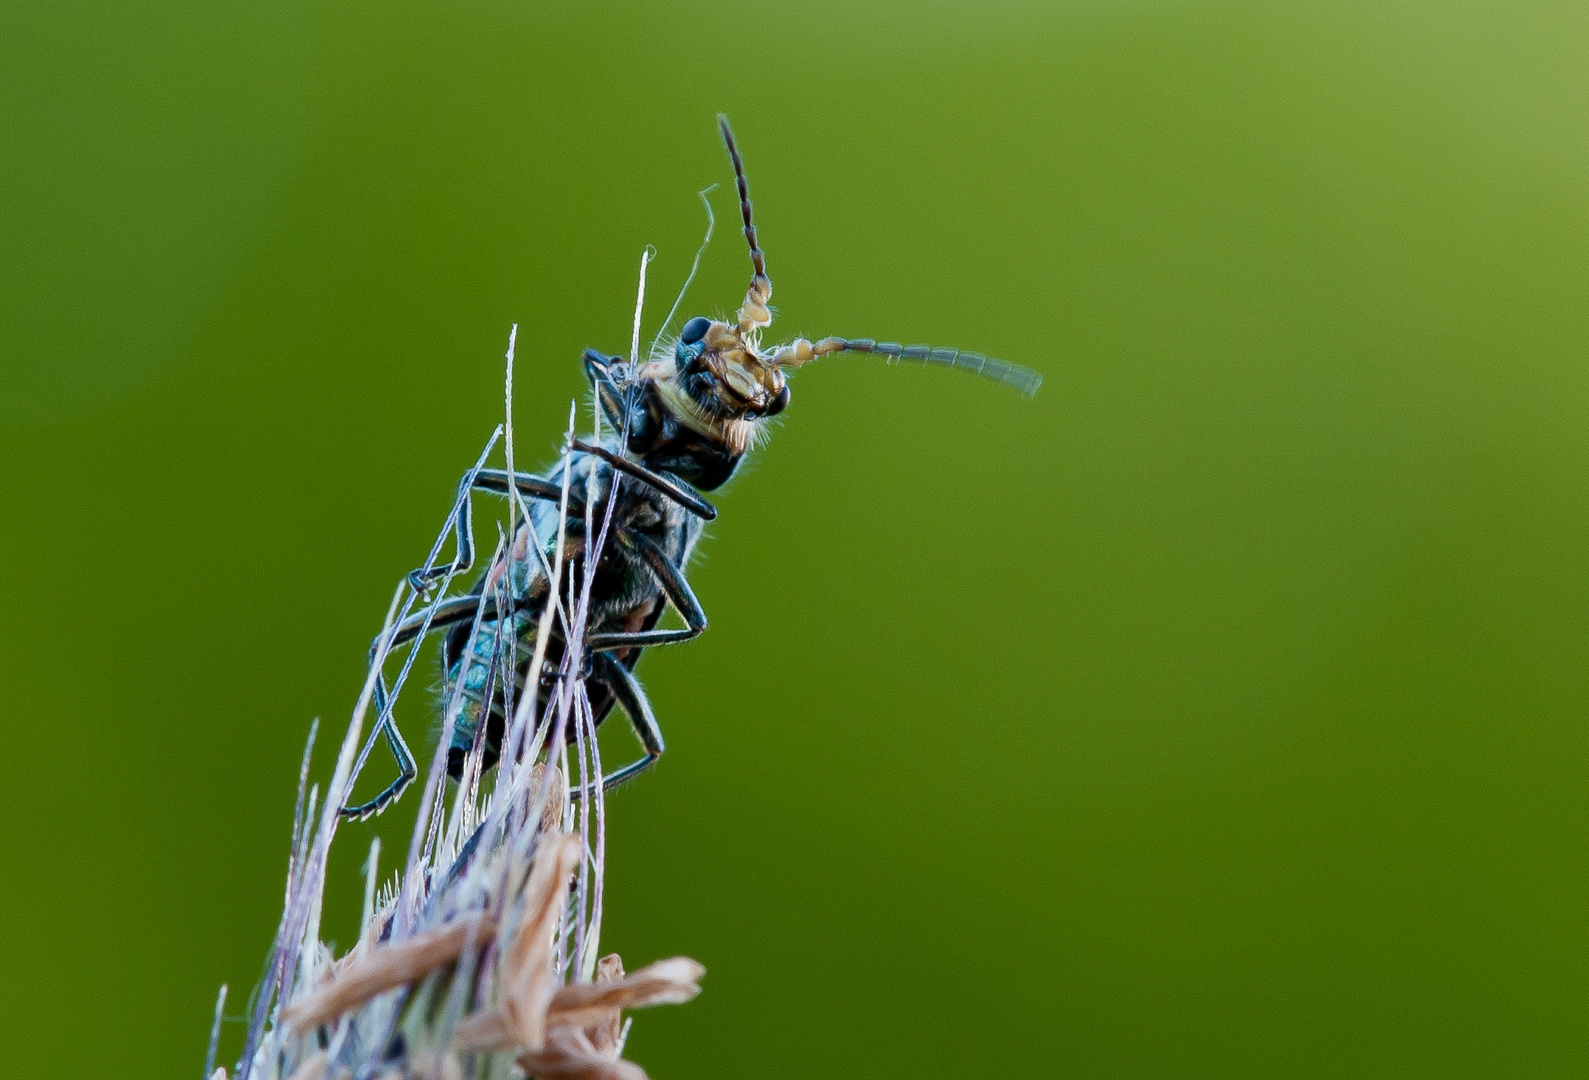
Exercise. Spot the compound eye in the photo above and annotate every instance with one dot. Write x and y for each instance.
(694, 330)
(780, 401)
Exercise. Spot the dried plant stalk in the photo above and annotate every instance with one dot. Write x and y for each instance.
(480, 960)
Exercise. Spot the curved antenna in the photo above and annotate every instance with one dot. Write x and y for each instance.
(800, 351)
(753, 312)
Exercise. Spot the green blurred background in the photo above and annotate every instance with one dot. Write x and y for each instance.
(1221, 712)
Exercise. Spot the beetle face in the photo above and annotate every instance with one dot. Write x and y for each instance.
(724, 375)
(705, 402)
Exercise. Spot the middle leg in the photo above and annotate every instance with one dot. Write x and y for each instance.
(674, 587)
(496, 482)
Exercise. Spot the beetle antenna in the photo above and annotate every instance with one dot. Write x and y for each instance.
(800, 351)
(753, 312)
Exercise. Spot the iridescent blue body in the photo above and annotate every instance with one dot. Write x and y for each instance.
(625, 597)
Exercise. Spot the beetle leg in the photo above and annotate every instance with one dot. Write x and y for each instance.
(632, 699)
(463, 533)
(496, 482)
(674, 586)
(455, 610)
(678, 493)
(406, 766)
(448, 612)
(533, 487)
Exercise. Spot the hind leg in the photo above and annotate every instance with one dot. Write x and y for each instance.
(447, 613)
(632, 699)
(407, 768)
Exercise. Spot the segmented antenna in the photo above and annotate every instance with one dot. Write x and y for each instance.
(753, 312)
(801, 351)
(1020, 378)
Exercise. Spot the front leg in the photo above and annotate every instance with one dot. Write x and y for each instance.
(685, 498)
(674, 587)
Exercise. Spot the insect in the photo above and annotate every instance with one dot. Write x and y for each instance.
(683, 420)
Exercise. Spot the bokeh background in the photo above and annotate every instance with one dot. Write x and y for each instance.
(1221, 712)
